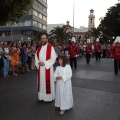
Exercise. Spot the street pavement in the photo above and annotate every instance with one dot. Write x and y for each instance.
(96, 92)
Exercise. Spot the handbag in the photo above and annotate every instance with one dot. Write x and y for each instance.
(9, 58)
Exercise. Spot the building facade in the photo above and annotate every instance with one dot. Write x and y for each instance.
(82, 33)
(34, 22)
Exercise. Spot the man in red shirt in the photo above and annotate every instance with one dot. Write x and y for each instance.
(88, 51)
(97, 49)
(73, 52)
(116, 54)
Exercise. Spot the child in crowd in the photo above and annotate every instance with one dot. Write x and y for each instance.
(63, 74)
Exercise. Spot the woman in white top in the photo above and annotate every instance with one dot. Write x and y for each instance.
(5, 59)
(63, 74)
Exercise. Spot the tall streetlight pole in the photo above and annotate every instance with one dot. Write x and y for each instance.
(73, 38)
(73, 15)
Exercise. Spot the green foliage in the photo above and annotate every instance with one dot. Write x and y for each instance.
(95, 32)
(110, 24)
(37, 35)
(12, 10)
(60, 34)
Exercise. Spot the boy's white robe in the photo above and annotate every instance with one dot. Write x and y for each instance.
(63, 96)
(48, 64)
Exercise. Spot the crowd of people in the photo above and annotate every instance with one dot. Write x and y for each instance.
(17, 57)
(20, 57)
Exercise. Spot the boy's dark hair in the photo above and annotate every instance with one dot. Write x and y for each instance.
(64, 60)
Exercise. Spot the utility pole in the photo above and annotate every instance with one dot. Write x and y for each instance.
(73, 15)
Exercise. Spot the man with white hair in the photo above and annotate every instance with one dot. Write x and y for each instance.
(116, 55)
(73, 52)
(97, 49)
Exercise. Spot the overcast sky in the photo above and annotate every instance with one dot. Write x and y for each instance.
(59, 11)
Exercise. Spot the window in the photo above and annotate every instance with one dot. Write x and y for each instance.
(28, 33)
(40, 15)
(39, 25)
(28, 23)
(45, 1)
(35, 23)
(35, 12)
(22, 23)
(44, 9)
(40, 5)
(44, 27)
(44, 18)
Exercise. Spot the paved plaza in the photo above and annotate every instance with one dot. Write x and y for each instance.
(96, 92)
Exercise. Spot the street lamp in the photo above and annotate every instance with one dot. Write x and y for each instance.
(73, 15)
(73, 38)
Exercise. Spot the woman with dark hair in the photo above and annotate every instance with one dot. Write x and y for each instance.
(33, 50)
(23, 57)
(6, 59)
(63, 74)
(15, 58)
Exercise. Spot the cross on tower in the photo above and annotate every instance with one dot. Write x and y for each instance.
(91, 20)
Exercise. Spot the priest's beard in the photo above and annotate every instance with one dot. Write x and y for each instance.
(44, 43)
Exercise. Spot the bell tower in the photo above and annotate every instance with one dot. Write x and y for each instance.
(91, 20)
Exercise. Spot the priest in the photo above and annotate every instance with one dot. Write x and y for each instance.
(45, 57)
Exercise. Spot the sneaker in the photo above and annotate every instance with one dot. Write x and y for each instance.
(7, 75)
(15, 74)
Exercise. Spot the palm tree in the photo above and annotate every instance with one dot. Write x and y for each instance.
(95, 32)
(60, 34)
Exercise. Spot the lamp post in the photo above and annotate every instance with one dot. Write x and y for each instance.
(73, 38)
(73, 15)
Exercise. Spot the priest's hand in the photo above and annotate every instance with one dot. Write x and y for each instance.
(59, 78)
(41, 63)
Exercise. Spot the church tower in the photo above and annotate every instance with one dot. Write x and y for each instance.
(91, 20)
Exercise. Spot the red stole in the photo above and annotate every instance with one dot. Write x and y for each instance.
(47, 71)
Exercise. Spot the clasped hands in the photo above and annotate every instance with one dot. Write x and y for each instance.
(41, 63)
(58, 77)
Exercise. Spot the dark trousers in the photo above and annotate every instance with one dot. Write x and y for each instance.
(98, 55)
(1, 63)
(116, 66)
(87, 58)
(73, 60)
(29, 62)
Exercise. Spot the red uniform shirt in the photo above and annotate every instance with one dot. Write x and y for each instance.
(88, 49)
(73, 50)
(116, 52)
(97, 47)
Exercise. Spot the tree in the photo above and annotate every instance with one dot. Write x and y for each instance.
(12, 10)
(110, 24)
(95, 32)
(60, 33)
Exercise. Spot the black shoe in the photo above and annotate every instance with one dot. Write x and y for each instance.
(116, 73)
(23, 73)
